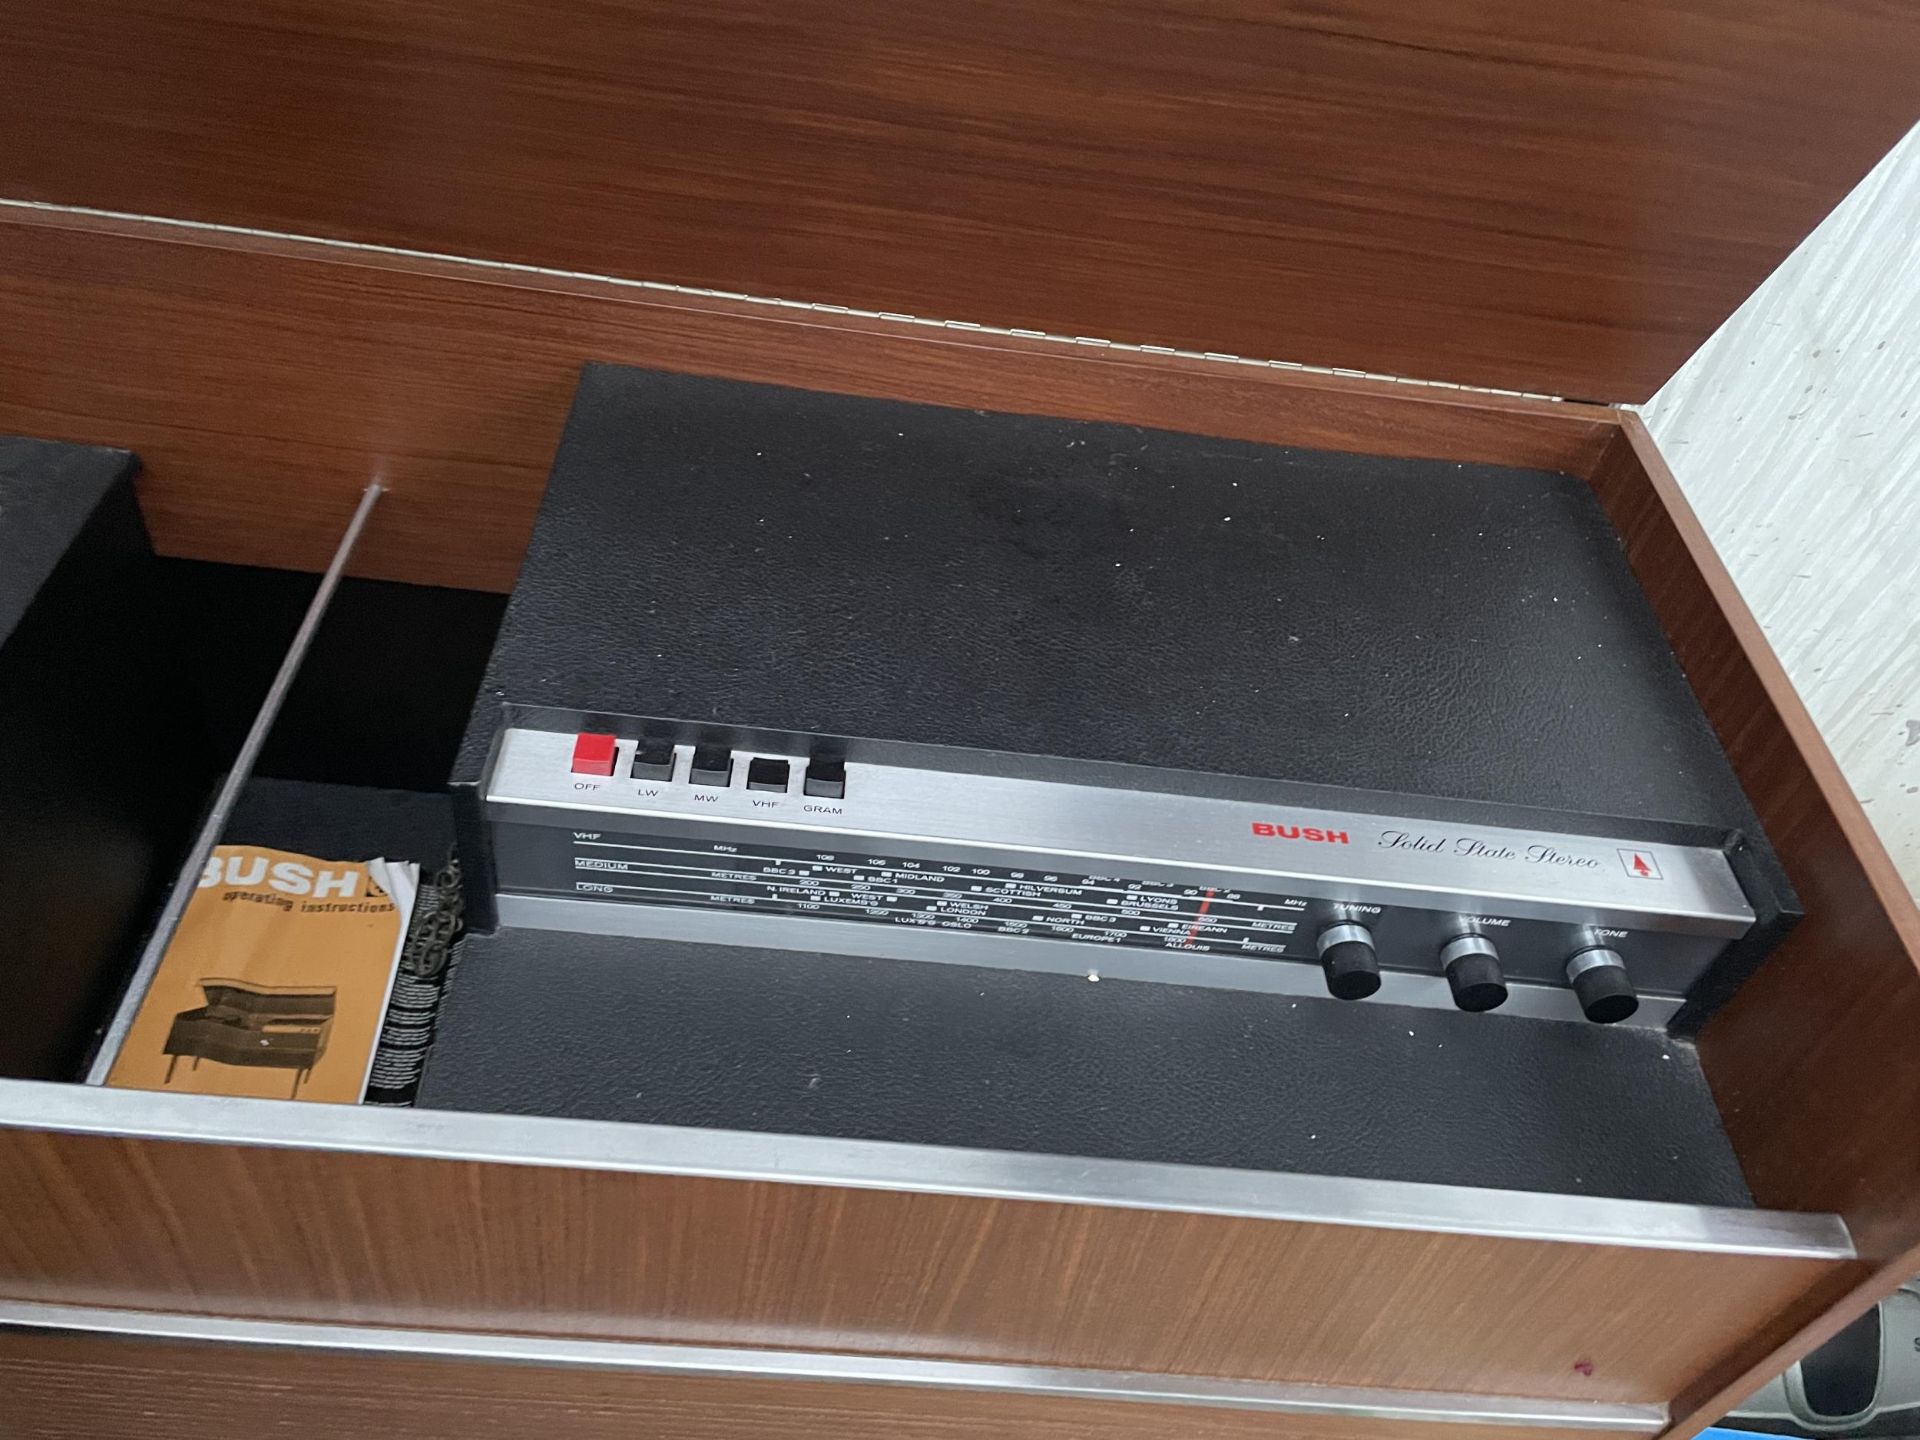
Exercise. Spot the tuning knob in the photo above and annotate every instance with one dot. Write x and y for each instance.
(1473, 973)
(1599, 977)
(1346, 954)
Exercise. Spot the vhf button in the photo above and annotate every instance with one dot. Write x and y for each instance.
(766, 773)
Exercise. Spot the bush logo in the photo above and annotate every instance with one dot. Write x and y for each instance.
(1299, 832)
(289, 877)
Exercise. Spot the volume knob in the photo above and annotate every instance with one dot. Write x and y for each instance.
(1346, 954)
(1473, 973)
(1599, 977)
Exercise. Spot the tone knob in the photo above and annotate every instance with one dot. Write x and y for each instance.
(1599, 977)
(1346, 954)
(1473, 973)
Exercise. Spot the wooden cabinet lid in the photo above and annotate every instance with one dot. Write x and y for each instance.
(1526, 194)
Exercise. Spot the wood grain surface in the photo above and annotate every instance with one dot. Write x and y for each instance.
(1549, 197)
(1811, 1061)
(265, 380)
(83, 1387)
(264, 383)
(294, 1234)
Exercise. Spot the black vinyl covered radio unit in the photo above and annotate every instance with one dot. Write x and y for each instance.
(812, 672)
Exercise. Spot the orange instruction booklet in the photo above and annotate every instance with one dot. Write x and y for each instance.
(276, 982)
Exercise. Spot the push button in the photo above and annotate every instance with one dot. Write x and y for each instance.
(712, 765)
(826, 779)
(594, 754)
(765, 773)
(653, 759)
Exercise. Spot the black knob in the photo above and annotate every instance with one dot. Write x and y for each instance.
(1346, 954)
(1473, 973)
(1599, 977)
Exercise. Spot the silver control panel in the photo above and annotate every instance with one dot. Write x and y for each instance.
(757, 846)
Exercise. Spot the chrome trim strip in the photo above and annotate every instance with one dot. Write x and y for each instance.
(717, 1362)
(922, 1169)
(1017, 952)
(1182, 838)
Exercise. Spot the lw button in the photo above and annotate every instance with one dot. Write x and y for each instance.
(653, 759)
(594, 754)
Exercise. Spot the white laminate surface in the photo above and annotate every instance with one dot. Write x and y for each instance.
(1795, 432)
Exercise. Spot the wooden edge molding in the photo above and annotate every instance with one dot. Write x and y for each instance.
(264, 380)
(327, 1236)
(63, 1383)
(814, 1376)
(1779, 1342)
(1805, 1060)
(1812, 1061)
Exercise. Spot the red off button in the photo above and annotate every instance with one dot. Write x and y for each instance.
(594, 754)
